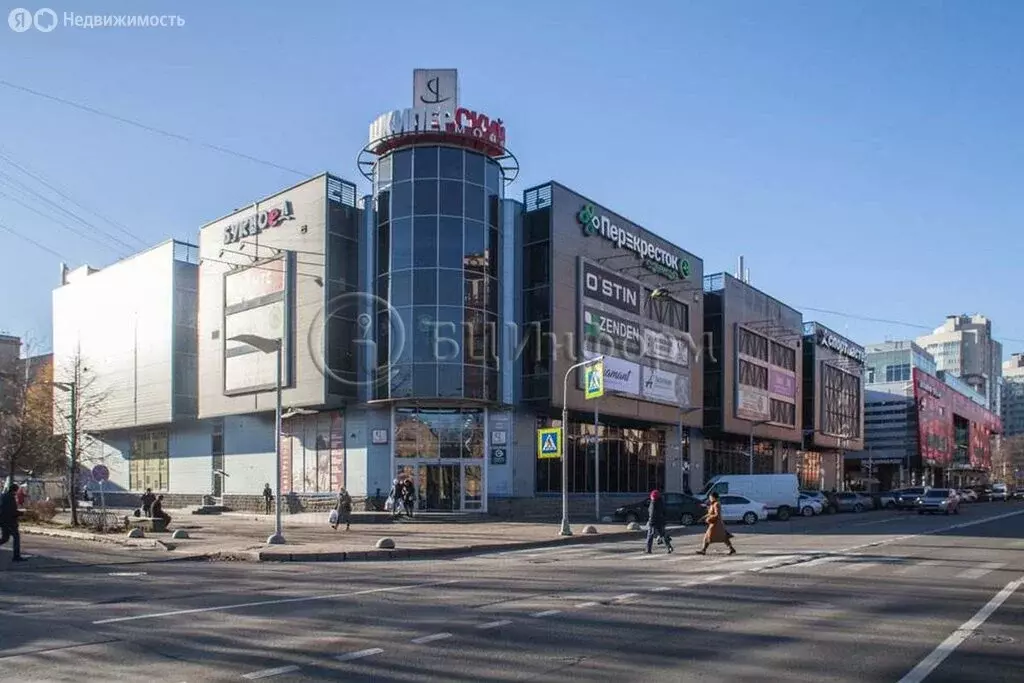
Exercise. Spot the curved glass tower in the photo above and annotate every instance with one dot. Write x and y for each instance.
(438, 242)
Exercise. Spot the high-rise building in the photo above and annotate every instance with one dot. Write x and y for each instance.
(963, 346)
(1013, 395)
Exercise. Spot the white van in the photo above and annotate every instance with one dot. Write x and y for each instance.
(780, 493)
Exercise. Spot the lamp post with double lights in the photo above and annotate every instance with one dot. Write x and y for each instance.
(565, 530)
(71, 389)
(684, 465)
(266, 345)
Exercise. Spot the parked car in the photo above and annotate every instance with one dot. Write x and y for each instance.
(678, 506)
(742, 509)
(984, 493)
(849, 501)
(939, 500)
(810, 506)
(821, 498)
(907, 498)
(888, 499)
(967, 496)
(779, 492)
(1000, 492)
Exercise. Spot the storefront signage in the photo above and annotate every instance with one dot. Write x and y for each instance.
(666, 347)
(751, 404)
(620, 376)
(257, 223)
(604, 286)
(926, 388)
(622, 333)
(439, 119)
(665, 387)
(781, 383)
(831, 340)
(656, 259)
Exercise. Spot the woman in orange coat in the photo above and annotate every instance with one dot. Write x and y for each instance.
(716, 533)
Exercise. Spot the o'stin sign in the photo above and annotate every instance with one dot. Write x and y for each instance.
(655, 258)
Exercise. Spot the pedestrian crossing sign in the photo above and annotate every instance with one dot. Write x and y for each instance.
(549, 443)
(594, 380)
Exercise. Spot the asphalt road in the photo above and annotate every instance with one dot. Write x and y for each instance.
(881, 596)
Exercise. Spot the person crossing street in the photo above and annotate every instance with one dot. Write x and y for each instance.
(716, 533)
(656, 522)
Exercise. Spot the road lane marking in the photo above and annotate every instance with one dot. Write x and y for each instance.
(854, 567)
(430, 639)
(703, 579)
(359, 654)
(584, 605)
(659, 589)
(914, 566)
(282, 601)
(267, 673)
(545, 613)
(494, 624)
(955, 639)
(624, 596)
(984, 569)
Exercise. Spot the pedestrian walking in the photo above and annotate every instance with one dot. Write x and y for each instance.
(9, 520)
(408, 496)
(656, 523)
(344, 509)
(147, 501)
(716, 533)
(394, 502)
(268, 497)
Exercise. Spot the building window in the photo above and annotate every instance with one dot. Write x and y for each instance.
(840, 402)
(783, 412)
(897, 373)
(783, 356)
(439, 433)
(753, 345)
(149, 467)
(752, 375)
(629, 460)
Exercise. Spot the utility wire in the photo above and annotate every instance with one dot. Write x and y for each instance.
(151, 129)
(18, 185)
(69, 228)
(42, 180)
(31, 241)
(890, 322)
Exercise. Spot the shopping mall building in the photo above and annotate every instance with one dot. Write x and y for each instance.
(425, 330)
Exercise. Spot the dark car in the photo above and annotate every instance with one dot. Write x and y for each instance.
(678, 508)
(939, 500)
(906, 499)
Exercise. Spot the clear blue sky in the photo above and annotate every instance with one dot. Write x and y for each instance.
(866, 156)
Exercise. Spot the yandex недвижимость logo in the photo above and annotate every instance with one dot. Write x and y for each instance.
(660, 260)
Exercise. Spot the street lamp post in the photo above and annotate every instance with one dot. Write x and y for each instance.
(750, 455)
(265, 345)
(683, 468)
(565, 530)
(70, 388)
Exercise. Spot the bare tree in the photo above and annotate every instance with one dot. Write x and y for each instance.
(78, 406)
(27, 443)
(1008, 458)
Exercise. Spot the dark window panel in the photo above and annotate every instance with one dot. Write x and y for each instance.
(425, 162)
(450, 326)
(401, 381)
(384, 170)
(383, 248)
(474, 168)
(424, 379)
(401, 288)
(493, 385)
(493, 210)
(422, 332)
(474, 197)
(493, 294)
(424, 239)
(450, 243)
(401, 200)
(402, 164)
(425, 198)
(383, 207)
(537, 226)
(494, 253)
(451, 198)
(424, 287)
(476, 245)
(451, 163)
(474, 382)
(449, 380)
(476, 291)
(492, 174)
(537, 265)
(450, 288)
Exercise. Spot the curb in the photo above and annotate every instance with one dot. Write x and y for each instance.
(94, 538)
(433, 553)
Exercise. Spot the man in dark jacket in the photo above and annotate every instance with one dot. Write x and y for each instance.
(9, 520)
(656, 522)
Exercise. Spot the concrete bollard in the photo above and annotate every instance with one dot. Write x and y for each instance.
(386, 544)
(607, 519)
(633, 526)
(179, 534)
(590, 530)
(136, 533)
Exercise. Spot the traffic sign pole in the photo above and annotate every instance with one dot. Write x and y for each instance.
(565, 530)
(597, 471)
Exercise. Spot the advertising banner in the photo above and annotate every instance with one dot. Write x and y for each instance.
(665, 387)
(751, 403)
(935, 423)
(620, 376)
(666, 347)
(617, 336)
(608, 288)
(781, 382)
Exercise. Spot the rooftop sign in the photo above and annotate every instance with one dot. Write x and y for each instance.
(655, 258)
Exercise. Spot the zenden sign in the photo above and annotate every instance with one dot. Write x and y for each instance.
(655, 258)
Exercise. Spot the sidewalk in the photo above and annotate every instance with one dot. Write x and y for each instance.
(242, 537)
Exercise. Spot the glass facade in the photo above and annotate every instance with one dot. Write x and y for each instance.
(438, 244)
(441, 451)
(629, 460)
